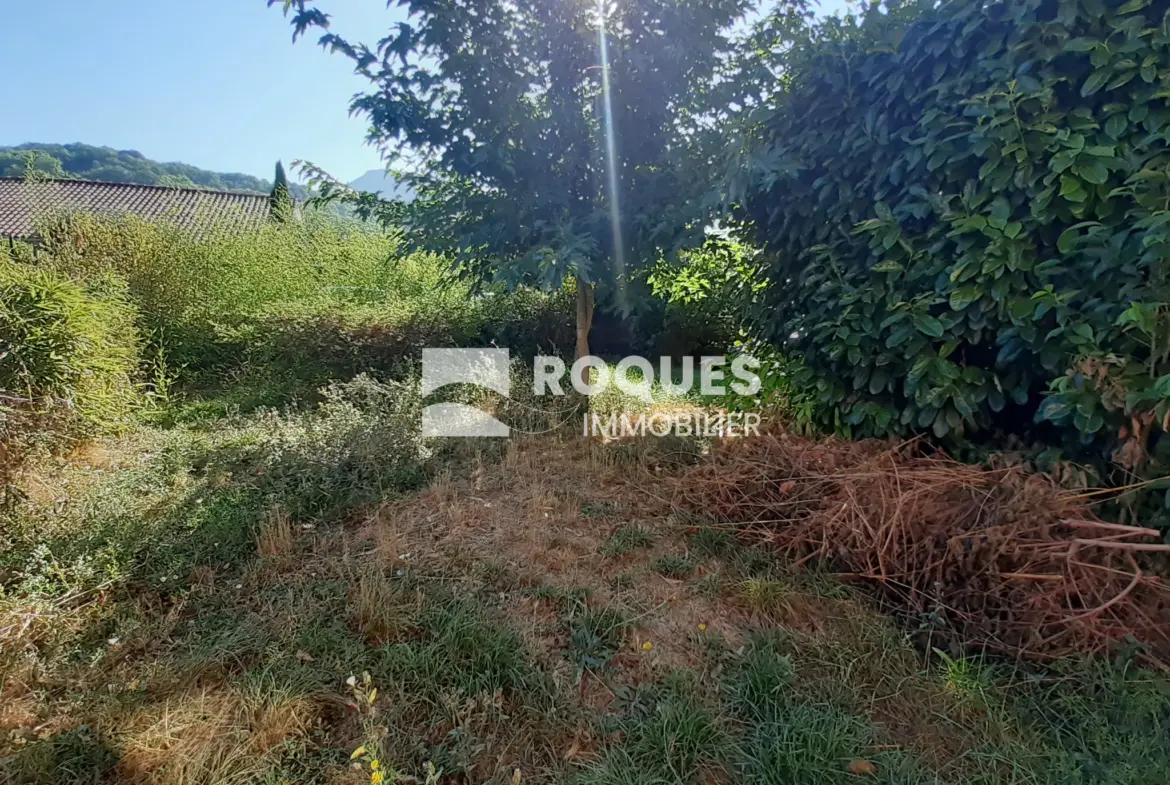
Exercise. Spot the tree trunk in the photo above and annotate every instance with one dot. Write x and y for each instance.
(584, 323)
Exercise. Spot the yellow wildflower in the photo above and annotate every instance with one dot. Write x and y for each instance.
(702, 628)
(647, 646)
(377, 777)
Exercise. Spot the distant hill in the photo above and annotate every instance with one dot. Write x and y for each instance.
(381, 182)
(86, 162)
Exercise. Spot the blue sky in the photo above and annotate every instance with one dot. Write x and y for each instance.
(213, 83)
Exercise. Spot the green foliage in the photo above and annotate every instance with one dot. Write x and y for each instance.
(360, 444)
(280, 198)
(69, 355)
(669, 736)
(964, 208)
(504, 108)
(86, 162)
(698, 298)
(181, 279)
(298, 302)
(1102, 723)
(18, 251)
(595, 636)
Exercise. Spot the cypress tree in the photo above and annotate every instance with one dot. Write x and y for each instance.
(280, 200)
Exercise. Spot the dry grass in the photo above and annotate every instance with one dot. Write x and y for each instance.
(380, 608)
(211, 737)
(274, 540)
(515, 632)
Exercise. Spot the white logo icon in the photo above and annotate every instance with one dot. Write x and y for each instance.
(488, 368)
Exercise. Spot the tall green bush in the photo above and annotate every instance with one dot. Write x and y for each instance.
(69, 355)
(966, 217)
(296, 303)
(183, 280)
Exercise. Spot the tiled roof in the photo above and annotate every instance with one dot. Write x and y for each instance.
(21, 203)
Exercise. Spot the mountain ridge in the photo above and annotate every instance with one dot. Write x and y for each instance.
(80, 161)
(382, 182)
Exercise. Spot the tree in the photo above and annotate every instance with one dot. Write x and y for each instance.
(176, 181)
(36, 166)
(280, 199)
(544, 138)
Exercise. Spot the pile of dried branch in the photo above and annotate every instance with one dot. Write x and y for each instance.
(1002, 559)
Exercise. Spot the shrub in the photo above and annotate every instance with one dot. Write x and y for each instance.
(700, 302)
(194, 289)
(69, 356)
(360, 444)
(325, 297)
(965, 223)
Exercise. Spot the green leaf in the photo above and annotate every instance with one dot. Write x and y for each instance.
(1093, 172)
(1131, 6)
(1115, 126)
(919, 369)
(1071, 189)
(1062, 160)
(941, 426)
(1162, 386)
(887, 267)
(961, 298)
(1012, 230)
(1053, 409)
(1096, 81)
(929, 325)
(1122, 79)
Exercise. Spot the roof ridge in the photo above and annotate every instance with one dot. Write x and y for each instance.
(217, 191)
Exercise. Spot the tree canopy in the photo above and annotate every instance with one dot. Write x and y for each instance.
(496, 112)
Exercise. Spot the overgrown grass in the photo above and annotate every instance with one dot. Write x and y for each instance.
(231, 593)
(187, 626)
(195, 495)
(627, 539)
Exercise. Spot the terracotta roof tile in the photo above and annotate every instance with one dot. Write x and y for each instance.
(21, 203)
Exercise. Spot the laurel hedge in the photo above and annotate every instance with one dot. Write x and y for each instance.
(965, 212)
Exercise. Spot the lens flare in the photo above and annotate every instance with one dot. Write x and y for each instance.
(619, 259)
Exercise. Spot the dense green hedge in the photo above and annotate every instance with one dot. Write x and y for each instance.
(965, 216)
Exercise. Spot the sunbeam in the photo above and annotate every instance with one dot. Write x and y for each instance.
(611, 159)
